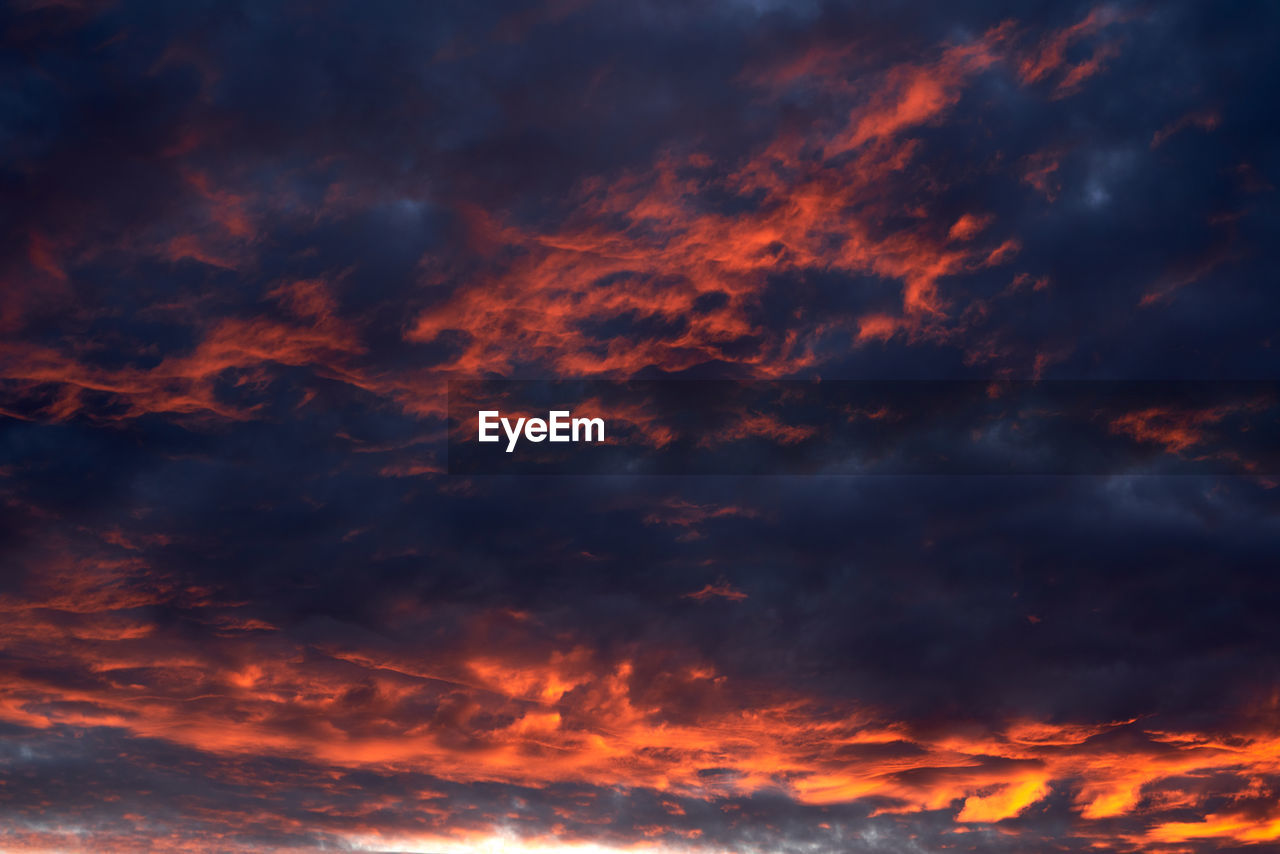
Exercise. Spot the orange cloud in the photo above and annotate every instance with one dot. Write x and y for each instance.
(1177, 430)
(1049, 58)
(501, 706)
(721, 589)
(185, 384)
(642, 248)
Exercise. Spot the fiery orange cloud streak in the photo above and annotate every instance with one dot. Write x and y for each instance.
(521, 711)
(638, 246)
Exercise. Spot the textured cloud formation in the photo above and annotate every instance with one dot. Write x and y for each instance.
(243, 608)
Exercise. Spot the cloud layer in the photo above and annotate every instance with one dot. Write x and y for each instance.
(243, 606)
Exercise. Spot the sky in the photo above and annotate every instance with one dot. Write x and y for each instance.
(245, 606)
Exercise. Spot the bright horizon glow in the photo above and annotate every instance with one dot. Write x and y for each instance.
(504, 843)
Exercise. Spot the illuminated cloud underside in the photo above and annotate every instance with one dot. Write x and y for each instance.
(243, 608)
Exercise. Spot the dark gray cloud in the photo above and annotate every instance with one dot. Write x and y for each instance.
(244, 607)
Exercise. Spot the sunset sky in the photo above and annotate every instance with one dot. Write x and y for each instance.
(245, 606)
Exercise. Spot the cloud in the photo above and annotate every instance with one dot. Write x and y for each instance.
(243, 606)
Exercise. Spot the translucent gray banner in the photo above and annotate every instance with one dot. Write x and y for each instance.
(665, 427)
